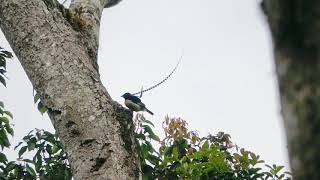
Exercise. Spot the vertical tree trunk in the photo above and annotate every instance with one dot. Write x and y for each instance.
(58, 50)
(295, 27)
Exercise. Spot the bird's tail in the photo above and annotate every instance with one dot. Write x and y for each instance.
(149, 111)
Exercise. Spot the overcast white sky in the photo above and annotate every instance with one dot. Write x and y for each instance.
(225, 82)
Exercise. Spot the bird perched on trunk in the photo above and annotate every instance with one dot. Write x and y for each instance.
(134, 103)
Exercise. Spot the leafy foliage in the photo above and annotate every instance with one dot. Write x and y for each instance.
(48, 159)
(144, 136)
(185, 155)
(5, 130)
(182, 155)
(3, 65)
(5, 115)
(5, 127)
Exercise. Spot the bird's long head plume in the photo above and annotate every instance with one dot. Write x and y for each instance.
(158, 84)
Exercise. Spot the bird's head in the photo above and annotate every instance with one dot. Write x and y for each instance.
(126, 95)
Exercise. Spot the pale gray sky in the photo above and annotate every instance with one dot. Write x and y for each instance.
(225, 82)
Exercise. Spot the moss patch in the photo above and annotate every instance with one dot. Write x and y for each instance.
(73, 18)
(124, 117)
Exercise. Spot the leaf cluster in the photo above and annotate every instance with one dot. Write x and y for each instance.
(183, 154)
(4, 55)
(6, 129)
(48, 160)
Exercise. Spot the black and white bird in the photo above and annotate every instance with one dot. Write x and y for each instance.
(134, 103)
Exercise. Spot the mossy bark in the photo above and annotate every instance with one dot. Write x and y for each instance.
(295, 27)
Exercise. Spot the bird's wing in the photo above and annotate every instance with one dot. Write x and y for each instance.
(135, 99)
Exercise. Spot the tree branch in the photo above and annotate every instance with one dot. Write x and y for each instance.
(90, 12)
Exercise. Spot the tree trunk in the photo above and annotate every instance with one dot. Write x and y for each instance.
(295, 27)
(58, 50)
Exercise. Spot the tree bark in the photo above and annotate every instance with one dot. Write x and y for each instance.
(58, 51)
(295, 27)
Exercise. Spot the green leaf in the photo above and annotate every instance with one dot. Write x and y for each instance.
(144, 150)
(42, 108)
(1, 104)
(38, 163)
(150, 147)
(205, 145)
(4, 120)
(175, 152)
(147, 129)
(31, 146)
(3, 158)
(9, 129)
(28, 161)
(2, 80)
(30, 132)
(36, 98)
(182, 143)
(17, 145)
(154, 159)
(2, 71)
(149, 122)
(154, 137)
(31, 171)
(8, 113)
(268, 174)
(22, 150)
(11, 165)
(32, 143)
(55, 149)
(140, 136)
(6, 54)
(278, 169)
(49, 148)
(27, 138)
(147, 172)
(3, 62)
(4, 138)
(254, 170)
(257, 176)
(168, 151)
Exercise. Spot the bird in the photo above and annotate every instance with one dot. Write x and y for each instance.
(134, 103)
